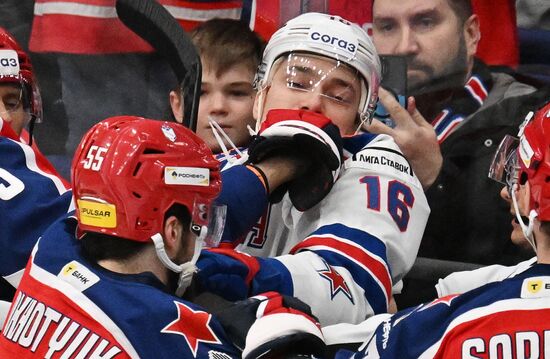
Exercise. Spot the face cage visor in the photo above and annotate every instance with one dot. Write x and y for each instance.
(208, 221)
(505, 166)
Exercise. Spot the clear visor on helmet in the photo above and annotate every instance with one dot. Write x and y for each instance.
(16, 99)
(207, 221)
(505, 166)
(12, 94)
(332, 79)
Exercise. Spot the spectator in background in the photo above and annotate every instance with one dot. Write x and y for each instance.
(471, 110)
(230, 54)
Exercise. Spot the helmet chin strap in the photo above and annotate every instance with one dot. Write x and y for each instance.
(526, 229)
(261, 100)
(185, 270)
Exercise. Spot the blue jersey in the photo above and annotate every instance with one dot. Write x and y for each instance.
(508, 319)
(32, 197)
(66, 306)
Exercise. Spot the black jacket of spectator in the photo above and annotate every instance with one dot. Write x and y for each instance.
(469, 222)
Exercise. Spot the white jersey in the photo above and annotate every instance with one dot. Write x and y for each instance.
(363, 235)
(464, 281)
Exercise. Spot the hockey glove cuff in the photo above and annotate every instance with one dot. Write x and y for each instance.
(271, 325)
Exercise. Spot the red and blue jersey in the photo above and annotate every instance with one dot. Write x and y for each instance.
(507, 319)
(66, 306)
(32, 197)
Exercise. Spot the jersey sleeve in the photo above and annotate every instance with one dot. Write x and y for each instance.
(31, 198)
(245, 197)
(464, 281)
(364, 238)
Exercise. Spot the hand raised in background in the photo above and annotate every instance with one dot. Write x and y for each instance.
(414, 135)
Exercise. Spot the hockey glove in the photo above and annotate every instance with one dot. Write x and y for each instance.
(308, 137)
(271, 325)
(226, 272)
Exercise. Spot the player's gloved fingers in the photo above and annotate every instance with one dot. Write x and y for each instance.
(297, 304)
(237, 319)
(314, 143)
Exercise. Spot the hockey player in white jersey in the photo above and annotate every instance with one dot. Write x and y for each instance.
(341, 255)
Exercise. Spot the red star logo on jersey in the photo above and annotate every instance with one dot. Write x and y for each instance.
(194, 326)
(445, 300)
(337, 282)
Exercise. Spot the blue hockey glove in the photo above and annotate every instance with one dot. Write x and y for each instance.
(226, 272)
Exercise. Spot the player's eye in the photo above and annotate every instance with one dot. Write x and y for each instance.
(296, 85)
(11, 102)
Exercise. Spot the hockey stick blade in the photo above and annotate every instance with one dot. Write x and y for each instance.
(153, 23)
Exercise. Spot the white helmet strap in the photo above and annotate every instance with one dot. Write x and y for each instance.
(527, 229)
(185, 270)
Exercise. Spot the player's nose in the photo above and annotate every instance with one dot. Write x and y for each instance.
(312, 102)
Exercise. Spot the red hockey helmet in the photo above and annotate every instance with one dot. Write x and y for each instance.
(128, 171)
(20, 72)
(534, 161)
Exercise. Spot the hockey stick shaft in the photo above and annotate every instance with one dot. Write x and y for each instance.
(153, 23)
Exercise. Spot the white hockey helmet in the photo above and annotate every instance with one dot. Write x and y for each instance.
(333, 37)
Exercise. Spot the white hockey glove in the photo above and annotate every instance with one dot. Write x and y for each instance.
(312, 139)
(271, 325)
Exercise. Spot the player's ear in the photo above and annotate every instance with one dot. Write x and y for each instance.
(176, 105)
(173, 235)
(472, 34)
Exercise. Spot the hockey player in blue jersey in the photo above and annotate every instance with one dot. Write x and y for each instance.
(503, 319)
(341, 253)
(106, 281)
(20, 102)
(32, 194)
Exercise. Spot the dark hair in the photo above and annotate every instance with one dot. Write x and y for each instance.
(224, 43)
(462, 9)
(99, 246)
